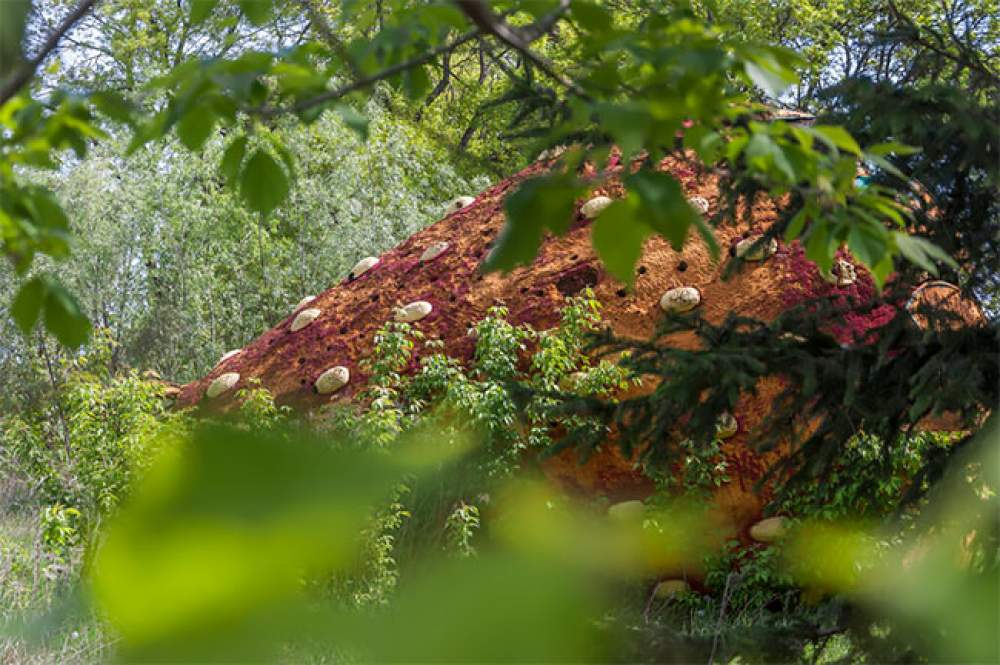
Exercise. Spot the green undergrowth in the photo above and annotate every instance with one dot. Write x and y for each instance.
(71, 464)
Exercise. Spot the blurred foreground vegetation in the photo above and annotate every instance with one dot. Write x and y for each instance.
(412, 530)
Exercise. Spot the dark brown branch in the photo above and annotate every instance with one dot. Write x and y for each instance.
(480, 13)
(545, 24)
(27, 70)
(440, 87)
(463, 143)
(368, 81)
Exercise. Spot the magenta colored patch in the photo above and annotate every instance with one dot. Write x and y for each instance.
(804, 283)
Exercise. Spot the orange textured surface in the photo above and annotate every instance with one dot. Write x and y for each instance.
(288, 363)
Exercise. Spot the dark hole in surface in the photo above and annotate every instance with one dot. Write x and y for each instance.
(746, 234)
(302, 382)
(329, 348)
(524, 289)
(374, 297)
(452, 298)
(642, 270)
(682, 266)
(343, 331)
(539, 293)
(577, 279)
(574, 257)
(621, 293)
(301, 361)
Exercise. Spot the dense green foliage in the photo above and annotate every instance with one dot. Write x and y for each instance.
(626, 104)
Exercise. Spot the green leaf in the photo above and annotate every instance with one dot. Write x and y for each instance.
(257, 11)
(618, 236)
(64, 318)
(28, 304)
(837, 136)
(885, 165)
(795, 226)
(880, 271)
(49, 213)
(818, 246)
(113, 105)
(353, 119)
(892, 148)
(212, 536)
(232, 158)
(768, 74)
(922, 252)
(477, 599)
(263, 185)
(591, 16)
(539, 203)
(416, 82)
(627, 123)
(13, 17)
(663, 205)
(868, 242)
(195, 126)
(201, 10)
(763, 153)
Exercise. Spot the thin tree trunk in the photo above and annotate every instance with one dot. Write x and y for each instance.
(440, 87)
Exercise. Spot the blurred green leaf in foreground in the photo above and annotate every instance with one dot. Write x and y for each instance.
(938, 585)
(209, 559)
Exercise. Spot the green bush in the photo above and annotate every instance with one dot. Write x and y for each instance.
(84, 449)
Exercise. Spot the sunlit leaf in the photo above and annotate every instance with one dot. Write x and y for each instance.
(892, 148)
(837, 136)
(770, 75)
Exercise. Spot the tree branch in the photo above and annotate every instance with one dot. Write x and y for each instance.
(368, 81)
(27, 70)
(321, 25)
(440, 87)
(480, 13)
